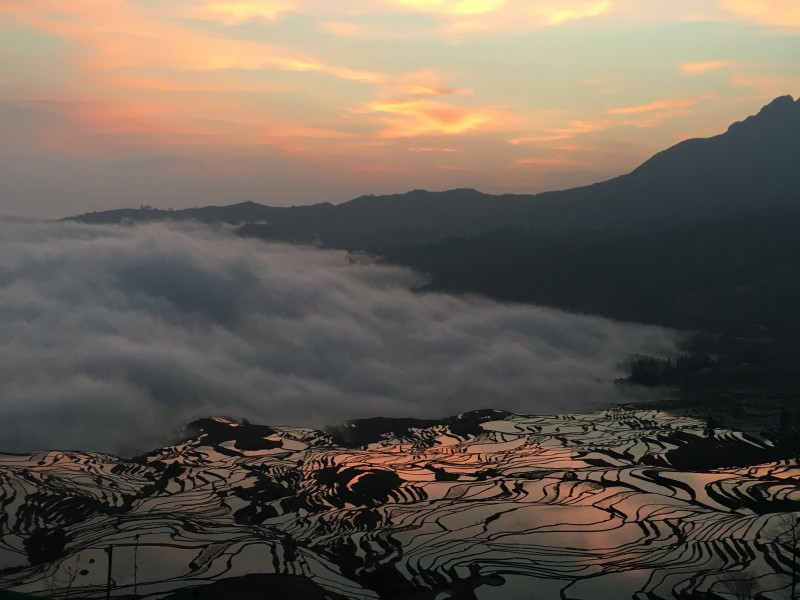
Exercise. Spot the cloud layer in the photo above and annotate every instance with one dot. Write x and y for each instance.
(113, 337)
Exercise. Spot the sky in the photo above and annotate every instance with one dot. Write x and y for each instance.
(178, 103)
(115, 338)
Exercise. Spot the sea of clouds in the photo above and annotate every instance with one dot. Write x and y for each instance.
(112, 338)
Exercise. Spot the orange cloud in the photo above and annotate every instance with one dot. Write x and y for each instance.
(380, 28)
(115, 35)
(652, 114)
(489, 17)
(232, 13)
(582, 149)
(410, 118)
(125, 52)
(452, 7)
(430, 149)
(584, 11)
(779, 13)
(422, 84)
(453, 168)
(696, 68)
(573, 129)
(423, 89)
(85, 127)
(658, 105)
(194, 83)
(352, 75)
(545, 162)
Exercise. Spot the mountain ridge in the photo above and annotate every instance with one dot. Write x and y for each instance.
(750, 165)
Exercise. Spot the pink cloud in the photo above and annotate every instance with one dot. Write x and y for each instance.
(697, 68)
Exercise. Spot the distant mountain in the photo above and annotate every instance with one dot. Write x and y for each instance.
(621, 503)
(416, 216)
(733, 277)
(734, 273)
(233, 214)
(754, 164)
(703, 236)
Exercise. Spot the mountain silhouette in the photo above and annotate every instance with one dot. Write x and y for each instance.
(752, 165)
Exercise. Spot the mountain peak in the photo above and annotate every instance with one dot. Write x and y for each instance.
(777, 113)
(782, 106)
(779, 103)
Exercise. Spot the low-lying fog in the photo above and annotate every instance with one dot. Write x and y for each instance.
(112, 338)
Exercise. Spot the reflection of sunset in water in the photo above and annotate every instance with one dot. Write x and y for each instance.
(586, 505)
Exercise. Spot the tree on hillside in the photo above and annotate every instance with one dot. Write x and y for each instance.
(741, 585)
(789, 538)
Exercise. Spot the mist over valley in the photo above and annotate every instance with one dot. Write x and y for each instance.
(115, 337)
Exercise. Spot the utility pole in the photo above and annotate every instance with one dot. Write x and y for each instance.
(110, 552)
(136, 566)
(794, 541)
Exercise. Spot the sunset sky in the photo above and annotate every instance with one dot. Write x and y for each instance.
(111, 103)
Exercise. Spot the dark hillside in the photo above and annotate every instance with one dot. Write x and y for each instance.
(733, 273)
(755, 164)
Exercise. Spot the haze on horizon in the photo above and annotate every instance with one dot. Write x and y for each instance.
(110, 103)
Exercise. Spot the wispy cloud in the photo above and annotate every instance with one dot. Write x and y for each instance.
(452, 7)
(573, 129)
(516, 16)
(235, 12)
(658, 105)
(550, 161)
(652, 114)
(431, 149)
(698, 68)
